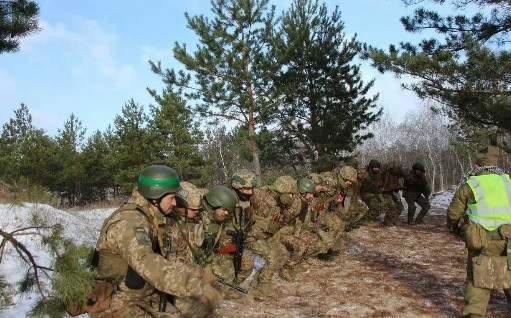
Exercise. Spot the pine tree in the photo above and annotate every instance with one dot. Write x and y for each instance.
(229, 66)
(467, 71)
(325, 104)
(177, 137)
(18, 18)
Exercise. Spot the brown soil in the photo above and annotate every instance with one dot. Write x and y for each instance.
(399, 271)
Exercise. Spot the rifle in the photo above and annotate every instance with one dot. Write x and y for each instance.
(222, 281)
(239, 238)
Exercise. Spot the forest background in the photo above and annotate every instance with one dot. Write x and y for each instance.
(273, 93)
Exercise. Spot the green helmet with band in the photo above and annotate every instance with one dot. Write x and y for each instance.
(222, 197)
(306, 185)
(156, 181)
(243, 179)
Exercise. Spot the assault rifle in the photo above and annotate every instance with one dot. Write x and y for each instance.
(239, 239)
(222, 281)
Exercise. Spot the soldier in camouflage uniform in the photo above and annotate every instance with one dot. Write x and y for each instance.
(393, 178)
(185, 232)
(357, 208)
(482, 203)
(303, 238)
(346, 176)
(417, 190)
(370, 193)
(131, 252)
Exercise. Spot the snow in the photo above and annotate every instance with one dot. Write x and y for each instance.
(399, 271)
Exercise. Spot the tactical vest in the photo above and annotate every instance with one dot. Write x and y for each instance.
(492, 207)
(111, 266)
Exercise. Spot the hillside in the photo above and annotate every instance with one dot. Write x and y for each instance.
(401, 271)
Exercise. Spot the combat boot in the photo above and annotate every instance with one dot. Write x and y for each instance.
(325, 257)
(333, 252)
(266, 289)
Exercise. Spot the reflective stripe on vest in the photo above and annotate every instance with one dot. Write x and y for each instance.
(492, 194)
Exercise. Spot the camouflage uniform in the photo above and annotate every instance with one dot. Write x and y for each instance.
(370, 193)
(416, 190)
(393, 178)
(261, 239)
(357, 208)
(126, 239)
(476, 299)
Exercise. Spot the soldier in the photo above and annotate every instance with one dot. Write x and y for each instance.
(267, 204)
(370, 193)
(483, 202)
(130, 251)
(185, 233)
(393, 178)
(416, 190)
(357, 208)
(347, 175)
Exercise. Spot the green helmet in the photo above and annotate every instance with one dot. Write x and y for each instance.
(306, 186)
(189, 196)
(156, 181)
(348, 173)
(222, 197)
(243, 179)
(374, 164)
(285, 184)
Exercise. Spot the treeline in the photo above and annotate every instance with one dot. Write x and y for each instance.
(293, 98)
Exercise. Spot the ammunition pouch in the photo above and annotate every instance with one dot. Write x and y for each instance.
(475, 237)
(491, 272)
(96, 301)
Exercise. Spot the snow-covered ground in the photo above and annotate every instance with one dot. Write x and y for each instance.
(399, 271)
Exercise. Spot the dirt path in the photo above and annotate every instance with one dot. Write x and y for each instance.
(399, 271)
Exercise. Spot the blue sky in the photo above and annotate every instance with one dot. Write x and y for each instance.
(90, 57)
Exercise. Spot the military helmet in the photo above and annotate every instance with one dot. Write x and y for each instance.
(306, 185)
(360, 168)
(156, 181)
(222, 197)
(243, 179)
(285, 184)
(314, 177)
(328, 181)
(189, 196)
(348, 173)
(419, 166)
(374, 164)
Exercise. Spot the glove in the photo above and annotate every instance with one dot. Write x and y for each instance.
(320, 207)
(209, 277)
(211, 298)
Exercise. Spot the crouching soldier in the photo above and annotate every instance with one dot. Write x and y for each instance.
(131, 252)
(417, 190)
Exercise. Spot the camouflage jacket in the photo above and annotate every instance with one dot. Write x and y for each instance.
(126, 237)
(267, 214)
(372, 183)
(417, 183)
(185, 238)
(392, 177)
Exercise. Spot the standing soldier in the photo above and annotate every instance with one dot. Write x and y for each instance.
(417, 190)
(370, 193)
(130, 252)
(393, 179)
(483, 202)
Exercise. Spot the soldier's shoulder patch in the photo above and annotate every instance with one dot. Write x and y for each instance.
(142, 235)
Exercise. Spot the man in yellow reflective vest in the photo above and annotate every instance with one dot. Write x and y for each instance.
(483, 203)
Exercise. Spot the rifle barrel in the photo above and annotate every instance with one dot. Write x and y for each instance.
(222, 281)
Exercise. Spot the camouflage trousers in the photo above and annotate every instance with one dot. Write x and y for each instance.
(124, 305)
(476, 299)
(275, 255)
(376, 205)
(334, 227)
(301, 245)
(356, 211)
(394, 206)
(411, 198)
